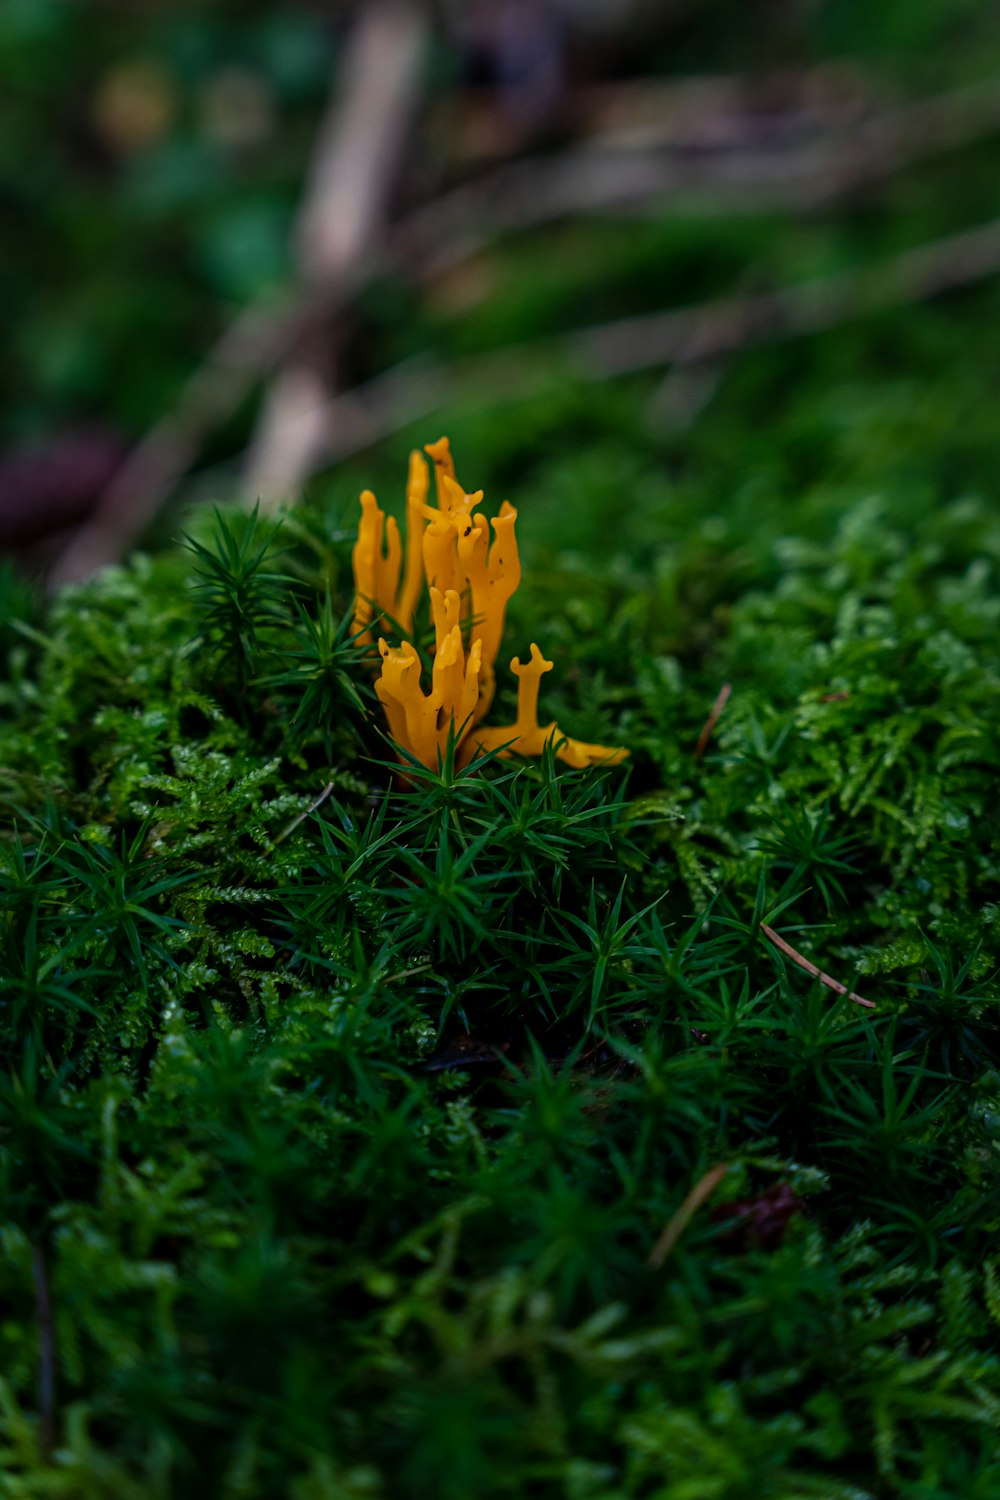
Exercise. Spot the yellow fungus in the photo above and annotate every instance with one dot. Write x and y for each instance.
(444, 465)
(376, 566)
(470, 577)
(413, 576)
(526, 736)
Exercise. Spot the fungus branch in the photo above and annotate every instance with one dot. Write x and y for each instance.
(470, 578)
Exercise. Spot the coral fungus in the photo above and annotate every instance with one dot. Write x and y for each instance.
(470, 579)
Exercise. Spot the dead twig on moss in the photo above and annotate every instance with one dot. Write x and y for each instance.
(249, 348)
(316, 803)
(316, 429)
(810, 968)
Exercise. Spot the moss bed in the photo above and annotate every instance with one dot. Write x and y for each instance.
(360, 1140)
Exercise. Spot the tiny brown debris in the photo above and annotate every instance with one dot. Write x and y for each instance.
(465, 1052)
(713, 719)
(759, 1222)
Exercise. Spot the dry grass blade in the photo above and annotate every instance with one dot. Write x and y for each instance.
(810, 968)
(317, 802)
(701, 1191)
(713, 719)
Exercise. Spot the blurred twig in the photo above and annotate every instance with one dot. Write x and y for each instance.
(603, 176)
(358, 147)
(699, 1194)
(713, 718)
(339, 246)
(679, 337)
(354, 169)
(156, 465)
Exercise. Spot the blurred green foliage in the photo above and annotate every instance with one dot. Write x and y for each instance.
(150, 160)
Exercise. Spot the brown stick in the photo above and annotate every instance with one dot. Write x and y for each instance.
(354, 168)
(803, 963)
(726, 111)
(249, 347)
(696, 1197)
(595, 177)
(681, 336)
(435, 237)
(332, 241)
(713, 719)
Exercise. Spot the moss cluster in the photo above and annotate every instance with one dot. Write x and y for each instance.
(340, 1120)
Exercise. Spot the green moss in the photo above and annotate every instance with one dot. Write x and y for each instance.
(346, 1115)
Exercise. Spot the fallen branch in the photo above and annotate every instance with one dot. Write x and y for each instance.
(359, 143)
(683, 336)
(706, 112)
(355, 164)
(250, 347)
(810, 968)
(601, 177)
(584, 179)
